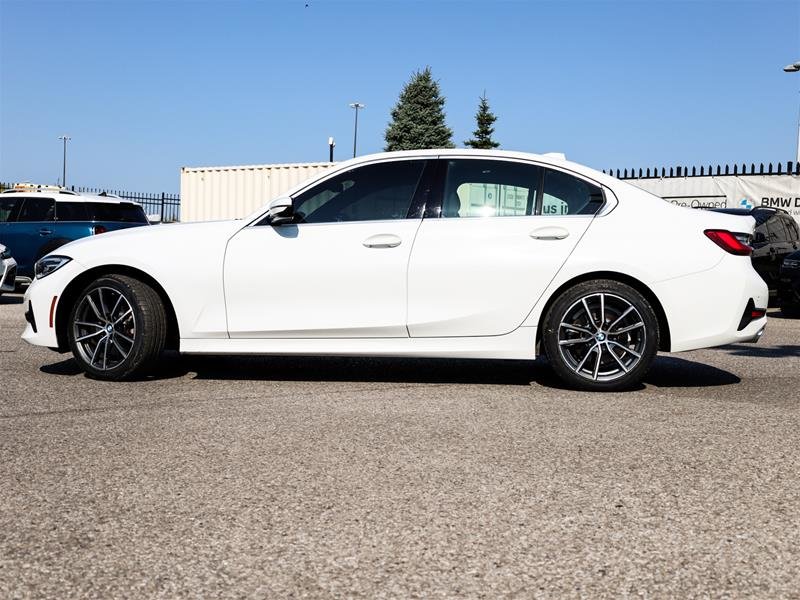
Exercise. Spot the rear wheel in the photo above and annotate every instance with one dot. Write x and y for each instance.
(117, 328)
(601, 335)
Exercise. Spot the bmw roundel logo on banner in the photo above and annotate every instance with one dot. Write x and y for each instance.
(746, 204)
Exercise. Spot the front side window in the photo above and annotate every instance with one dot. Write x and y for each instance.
(375, 192)
(489, 188)
(568, 195)
(37, 209)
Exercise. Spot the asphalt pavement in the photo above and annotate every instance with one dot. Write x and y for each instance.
(376, 478)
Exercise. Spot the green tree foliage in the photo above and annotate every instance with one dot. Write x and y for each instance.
(482, 136)
(418, 119)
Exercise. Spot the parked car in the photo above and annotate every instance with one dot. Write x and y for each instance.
(8, 270)
(36, 221)
(775, 237)
(790, 285)
(437, 253)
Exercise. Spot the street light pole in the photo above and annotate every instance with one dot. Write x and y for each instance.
(356, 106)
(64, 162)
(794, 68)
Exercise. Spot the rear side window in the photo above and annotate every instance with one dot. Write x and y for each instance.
(792, 231)
(71, 211)
(568, 195)
(776, 232)
(8, 208)
(37, 210)
(123, 212)
(490, 188)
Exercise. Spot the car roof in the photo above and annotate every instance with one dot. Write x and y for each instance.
(69, 196)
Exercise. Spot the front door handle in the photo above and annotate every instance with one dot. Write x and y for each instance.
(382, 240)
(45, 231)
(549, 233)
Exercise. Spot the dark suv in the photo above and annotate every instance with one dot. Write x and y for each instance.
(776, 236)
(34, 222)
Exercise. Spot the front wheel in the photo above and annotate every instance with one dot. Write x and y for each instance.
(117, 328)
(601, 335)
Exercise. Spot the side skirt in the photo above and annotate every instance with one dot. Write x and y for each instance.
(519, 344)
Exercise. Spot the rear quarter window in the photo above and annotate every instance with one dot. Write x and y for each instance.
(123, 212)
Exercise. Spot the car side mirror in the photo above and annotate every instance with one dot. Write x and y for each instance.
(280, 211)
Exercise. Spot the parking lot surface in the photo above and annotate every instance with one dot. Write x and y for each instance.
(367, 478)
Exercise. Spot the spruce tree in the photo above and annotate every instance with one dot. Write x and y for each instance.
(418, 119)
(482, 136)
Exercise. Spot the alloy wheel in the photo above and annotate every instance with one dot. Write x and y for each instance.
(602, 337)
(104, 328)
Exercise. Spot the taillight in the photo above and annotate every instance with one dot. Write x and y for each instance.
(728, 241)
(98, 229)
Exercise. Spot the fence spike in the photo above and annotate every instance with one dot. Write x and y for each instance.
(769, 171)
(780, 167)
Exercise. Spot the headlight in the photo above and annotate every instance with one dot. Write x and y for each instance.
(789, 263)
(49, 264)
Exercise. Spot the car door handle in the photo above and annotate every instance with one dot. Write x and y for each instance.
(45, 231)
(382, 240)
(549, 233)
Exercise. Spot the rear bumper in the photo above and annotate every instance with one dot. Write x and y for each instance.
(706, 309)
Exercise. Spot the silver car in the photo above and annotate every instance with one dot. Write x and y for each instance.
(8, 270)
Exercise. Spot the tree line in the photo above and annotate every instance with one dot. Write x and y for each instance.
(418, 119)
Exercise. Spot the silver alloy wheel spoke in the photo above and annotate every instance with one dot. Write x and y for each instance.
(125, 314)
(102, 303)
(87, 324)
(625, 348)
(597, 363)
(576, 341)
(580, 365)
(619, 362)
(116, 305)
(577, 329)
(627, 329)
(94, 307)
(602, 310)
(124, 337)
(589, 313)
(622, 316)
(90, 335)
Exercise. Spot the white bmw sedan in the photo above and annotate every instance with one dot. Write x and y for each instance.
(437, 253)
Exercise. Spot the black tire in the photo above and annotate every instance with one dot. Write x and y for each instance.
(135, 340)
(611, 356)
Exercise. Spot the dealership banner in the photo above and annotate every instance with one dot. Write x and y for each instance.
(728, 191)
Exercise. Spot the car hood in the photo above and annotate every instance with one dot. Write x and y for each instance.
(157, 241)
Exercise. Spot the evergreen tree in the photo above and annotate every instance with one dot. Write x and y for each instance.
(418, 117)
(482, 136)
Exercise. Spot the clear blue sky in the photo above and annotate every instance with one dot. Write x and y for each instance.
(144, 88)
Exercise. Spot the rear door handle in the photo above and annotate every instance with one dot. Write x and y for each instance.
(382, 240)
(45, 231)
(549, 233)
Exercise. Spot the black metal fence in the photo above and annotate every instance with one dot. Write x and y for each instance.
(791, 168)
(167, 206)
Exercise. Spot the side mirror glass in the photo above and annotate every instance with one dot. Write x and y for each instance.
(280, 211)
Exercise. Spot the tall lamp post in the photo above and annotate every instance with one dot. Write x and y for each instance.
(794, 68)
(64, 162)
(356, 106)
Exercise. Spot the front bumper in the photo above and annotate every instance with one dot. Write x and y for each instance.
(42, 300)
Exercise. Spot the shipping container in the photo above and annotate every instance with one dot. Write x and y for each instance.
(211, 193)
